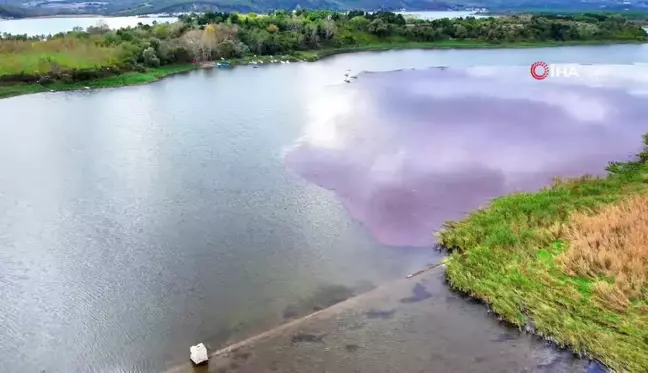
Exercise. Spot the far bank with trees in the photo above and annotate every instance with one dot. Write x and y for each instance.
(99, 56)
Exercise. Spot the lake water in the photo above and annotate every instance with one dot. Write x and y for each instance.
(137, 221)
(443, 14)
(46, 26)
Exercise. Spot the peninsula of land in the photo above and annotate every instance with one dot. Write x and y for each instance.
(101, 57)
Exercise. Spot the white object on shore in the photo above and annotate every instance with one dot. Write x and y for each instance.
(198, 354)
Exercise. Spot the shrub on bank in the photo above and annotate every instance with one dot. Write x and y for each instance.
(67, 75)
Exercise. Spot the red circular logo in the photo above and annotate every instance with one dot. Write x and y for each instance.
(539, 70)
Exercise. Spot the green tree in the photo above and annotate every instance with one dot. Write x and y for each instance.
(111, 38)
(162, 31)
(461, 31)
(150, 58)
(329, 29)
(378, 27)
(359, 23)
(230, 49)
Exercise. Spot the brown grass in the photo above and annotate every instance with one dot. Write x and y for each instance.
(611, 247)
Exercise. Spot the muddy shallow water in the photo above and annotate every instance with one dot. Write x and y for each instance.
(410, 326)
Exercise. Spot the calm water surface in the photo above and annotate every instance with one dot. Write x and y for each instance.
(46, 26)
(442, 14)
(137, 221)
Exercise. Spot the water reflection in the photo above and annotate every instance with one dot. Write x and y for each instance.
(407, 150)
(46, 26)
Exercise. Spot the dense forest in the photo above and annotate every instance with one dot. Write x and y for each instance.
(99, 52)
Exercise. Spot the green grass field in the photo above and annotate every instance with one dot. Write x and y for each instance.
(39, 63)
(511, 256)
(37, 57)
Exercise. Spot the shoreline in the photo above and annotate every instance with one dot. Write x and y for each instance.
(116, 81)
(70, 16)
(143, 16)
(88, 15)
(8, 90)
(320, 54)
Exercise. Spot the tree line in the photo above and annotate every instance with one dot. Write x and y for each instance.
(221, 35)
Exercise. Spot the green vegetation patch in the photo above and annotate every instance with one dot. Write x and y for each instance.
(129, 78)
(35, 58)
(505, 254)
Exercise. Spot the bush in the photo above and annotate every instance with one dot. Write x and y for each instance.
(229, 49)
(20, 78)
(89, 74)
(139, 68)
(45, 80)
(180, 54)
(150, 58)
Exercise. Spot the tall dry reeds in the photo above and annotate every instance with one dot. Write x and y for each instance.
(611, 246)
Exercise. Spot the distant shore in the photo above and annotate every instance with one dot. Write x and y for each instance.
(152, 75)
(89, 16)
(70, 16)
(98, 16)
(319, 54)
(60, 16)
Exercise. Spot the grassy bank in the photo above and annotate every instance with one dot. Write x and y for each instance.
(126, 79)
(570, 262)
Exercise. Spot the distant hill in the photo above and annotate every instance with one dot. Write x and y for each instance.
(138, 6)
(25, 8)
(12, 12)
